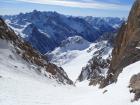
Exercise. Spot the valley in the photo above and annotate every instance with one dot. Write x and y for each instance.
(49, 58)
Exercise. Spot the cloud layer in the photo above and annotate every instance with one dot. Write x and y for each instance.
(92, 5)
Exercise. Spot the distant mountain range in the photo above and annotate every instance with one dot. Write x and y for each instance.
(46, 30)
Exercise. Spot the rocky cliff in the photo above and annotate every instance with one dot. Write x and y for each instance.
(126, 50)
(135, 86)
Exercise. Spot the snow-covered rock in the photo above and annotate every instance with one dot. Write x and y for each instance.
(97, 66)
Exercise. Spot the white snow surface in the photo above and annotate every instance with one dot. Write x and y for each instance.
(74, 67)
(22, 85)
(138, 47)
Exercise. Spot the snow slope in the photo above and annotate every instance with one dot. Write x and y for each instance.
(74, 67)
(72, 55)
(13, 64)
(19, 86)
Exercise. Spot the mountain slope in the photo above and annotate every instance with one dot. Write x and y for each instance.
(18, 88)
(14, 51)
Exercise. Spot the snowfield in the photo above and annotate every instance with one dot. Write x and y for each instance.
(20, 84)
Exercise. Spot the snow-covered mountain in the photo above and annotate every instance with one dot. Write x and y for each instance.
(52, 28)
(105, 23)
(18, 56)
(75, 53)
(68, 39)
(68, 50)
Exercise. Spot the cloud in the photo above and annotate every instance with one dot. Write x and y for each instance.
(92, 5)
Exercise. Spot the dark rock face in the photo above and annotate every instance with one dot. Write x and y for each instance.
(126, 50)
(30, 55)
(135, 86)
(95, 70)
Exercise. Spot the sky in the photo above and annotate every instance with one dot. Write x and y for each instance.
(96, 8)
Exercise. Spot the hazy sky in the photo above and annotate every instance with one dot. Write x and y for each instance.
(103, 8)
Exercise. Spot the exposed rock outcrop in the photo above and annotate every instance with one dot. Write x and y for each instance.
(96, 68)
(126, 50)
(30, 55)
(135, 86)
